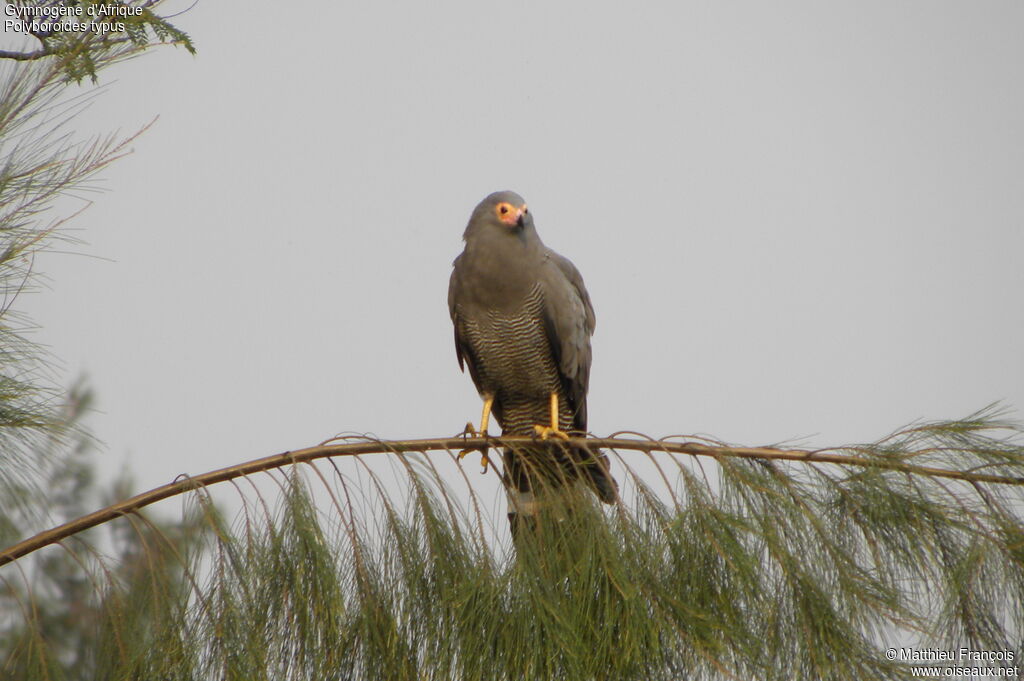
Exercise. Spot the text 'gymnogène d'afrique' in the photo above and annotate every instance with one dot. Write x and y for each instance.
(46, 19)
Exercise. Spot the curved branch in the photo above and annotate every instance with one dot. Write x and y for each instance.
(370, 446)
(26, 56)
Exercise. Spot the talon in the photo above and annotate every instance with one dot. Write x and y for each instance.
(545, 432)
(484, 461)
(470, 431)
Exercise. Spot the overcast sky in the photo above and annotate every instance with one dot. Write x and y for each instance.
(797, 220)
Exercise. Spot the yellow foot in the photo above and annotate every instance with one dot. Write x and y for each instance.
(470, 431)
(545, 432)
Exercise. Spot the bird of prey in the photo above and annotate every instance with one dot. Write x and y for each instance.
(523, 321)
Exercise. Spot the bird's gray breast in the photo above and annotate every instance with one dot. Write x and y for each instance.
(513, 357)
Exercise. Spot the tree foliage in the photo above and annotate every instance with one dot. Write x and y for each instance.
(42, 160)
(714, 565)
(55, 608)
(80, 37)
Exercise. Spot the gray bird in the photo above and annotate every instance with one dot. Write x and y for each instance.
(523, 322)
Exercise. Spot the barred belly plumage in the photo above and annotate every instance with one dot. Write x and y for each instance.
(515, 364)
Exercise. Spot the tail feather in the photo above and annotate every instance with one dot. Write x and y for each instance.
(528, 471)
(601, 479)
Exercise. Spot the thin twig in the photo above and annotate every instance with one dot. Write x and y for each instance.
(185, 483)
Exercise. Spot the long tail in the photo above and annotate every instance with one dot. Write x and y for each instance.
(596, 467)
(531, 474)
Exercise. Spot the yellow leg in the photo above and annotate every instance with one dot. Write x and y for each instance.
(485, 415)
(485, 418)
(548, 431)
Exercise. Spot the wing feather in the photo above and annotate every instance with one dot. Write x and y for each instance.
(569, 321)
(463, 351)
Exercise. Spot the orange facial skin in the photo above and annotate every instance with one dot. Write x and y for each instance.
(509, 214)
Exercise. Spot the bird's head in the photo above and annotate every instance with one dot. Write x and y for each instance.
(502, 212)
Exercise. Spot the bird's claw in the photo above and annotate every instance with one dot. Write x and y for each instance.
(546, 432)
(471, 431)
(484, 461)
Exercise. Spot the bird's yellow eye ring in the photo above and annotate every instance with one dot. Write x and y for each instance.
(507, 213)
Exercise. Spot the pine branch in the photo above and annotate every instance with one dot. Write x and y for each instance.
(772, 562)
(82, 53)
(25, 56)
(372, 446)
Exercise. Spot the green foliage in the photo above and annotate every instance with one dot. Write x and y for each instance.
(96, 33)
(40, 162)
(710, 568)
(64, 614)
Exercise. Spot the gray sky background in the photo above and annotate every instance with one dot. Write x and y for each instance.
(797, 220)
